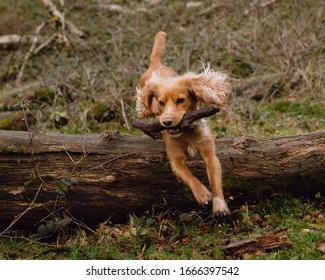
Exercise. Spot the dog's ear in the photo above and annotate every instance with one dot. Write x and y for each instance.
(145, 106)
(208, 87)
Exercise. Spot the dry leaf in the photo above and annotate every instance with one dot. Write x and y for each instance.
(321, 247)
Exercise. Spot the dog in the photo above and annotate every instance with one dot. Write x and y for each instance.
(164, 94)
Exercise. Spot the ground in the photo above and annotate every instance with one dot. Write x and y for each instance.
(274, 56)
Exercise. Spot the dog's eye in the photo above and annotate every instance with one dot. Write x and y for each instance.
(180, 100)
(161, 103)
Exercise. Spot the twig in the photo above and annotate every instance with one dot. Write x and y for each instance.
(111, 160)
(30, 52)
(65, 23)
(211, 8)
(124, 115)
(80, 223)
(259, 5)
(46, 115)
(84, 154)
(14, 39)
(45, 43)
(30, 132)
(30, 207)
(55, 12)
(267, 3)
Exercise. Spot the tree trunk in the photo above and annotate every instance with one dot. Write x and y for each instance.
(94, 178)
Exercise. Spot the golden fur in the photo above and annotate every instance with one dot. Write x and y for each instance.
(166, 95)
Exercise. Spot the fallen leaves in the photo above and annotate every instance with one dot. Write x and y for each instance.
(321, 247)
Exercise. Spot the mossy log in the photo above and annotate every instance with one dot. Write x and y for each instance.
(95, 178)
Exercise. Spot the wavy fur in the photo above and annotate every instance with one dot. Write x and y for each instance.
(209, 87)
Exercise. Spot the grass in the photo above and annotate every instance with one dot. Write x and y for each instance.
(81, 87)
(283, 117)
(171, 234)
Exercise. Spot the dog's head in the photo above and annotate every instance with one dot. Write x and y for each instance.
(171, 98)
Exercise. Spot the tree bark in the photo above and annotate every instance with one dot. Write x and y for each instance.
(95, 178)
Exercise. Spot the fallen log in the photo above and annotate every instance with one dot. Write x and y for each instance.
(94, 178)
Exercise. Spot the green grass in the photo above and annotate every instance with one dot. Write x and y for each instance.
(171, 234)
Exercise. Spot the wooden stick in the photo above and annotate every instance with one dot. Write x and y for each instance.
(153, 127)
(14, 39)
(30, 52)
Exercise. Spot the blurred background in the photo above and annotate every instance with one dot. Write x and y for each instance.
(76, 71)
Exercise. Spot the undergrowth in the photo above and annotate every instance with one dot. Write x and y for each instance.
(172, 234)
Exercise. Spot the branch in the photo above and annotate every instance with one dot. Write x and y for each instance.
(153, 127)
(272, 241)
(57, 14)
(31, 51)
(14, 39)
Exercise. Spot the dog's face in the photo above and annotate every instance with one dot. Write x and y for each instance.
(171, 98)
(174, 100)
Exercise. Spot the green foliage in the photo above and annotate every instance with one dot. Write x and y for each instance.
(45, 94)
(64, 184)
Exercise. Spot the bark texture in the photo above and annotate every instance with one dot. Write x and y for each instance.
(95, 178)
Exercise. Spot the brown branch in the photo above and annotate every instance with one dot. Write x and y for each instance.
(14, 39)
(31, 51)
(153, 127)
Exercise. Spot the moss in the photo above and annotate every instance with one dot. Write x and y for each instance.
(12, 121)
(297, 108)
(45, 94)
(101, 112)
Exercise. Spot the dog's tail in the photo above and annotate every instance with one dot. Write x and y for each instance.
(158, 48)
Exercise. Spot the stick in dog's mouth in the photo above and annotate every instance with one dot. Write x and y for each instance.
(153, 127)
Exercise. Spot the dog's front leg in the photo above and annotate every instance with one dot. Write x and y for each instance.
(177, 160)
(214, 172)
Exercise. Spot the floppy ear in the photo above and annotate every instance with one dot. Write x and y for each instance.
(209, 87)
(144, 103)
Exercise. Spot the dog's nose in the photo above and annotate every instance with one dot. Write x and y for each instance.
(167, 121)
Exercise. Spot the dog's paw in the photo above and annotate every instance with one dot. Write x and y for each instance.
(204, 196)
(220, 207)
